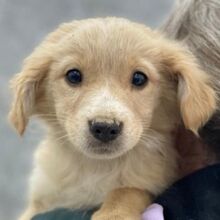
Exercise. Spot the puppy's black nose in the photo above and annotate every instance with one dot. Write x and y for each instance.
(104, 131)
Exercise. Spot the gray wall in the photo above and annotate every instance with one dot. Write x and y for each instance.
(23, 24)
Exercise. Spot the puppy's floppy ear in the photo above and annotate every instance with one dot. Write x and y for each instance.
(196, 97)
(26, 85)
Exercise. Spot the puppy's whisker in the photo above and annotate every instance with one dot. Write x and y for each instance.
(43, 115)
(57, 133)
(49, 116)
(53, 113)
(62, 137)
(54, 120)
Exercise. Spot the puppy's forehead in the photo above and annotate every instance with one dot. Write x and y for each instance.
(109, 40)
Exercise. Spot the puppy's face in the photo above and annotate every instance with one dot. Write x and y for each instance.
(104, 89)
(103, 81)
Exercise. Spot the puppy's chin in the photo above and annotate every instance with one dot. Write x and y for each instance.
(104, 151)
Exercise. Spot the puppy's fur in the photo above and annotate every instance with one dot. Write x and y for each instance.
(73, 170)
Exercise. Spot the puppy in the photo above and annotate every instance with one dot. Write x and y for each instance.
(111, 93)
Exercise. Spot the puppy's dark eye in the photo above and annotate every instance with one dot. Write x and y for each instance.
(74, 76)
(139, 79)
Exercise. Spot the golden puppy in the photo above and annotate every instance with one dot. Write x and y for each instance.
(111, 92)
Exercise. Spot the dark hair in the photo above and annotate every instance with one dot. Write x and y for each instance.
(196, 24)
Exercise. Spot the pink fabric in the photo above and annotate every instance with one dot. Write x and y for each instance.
(153, 212)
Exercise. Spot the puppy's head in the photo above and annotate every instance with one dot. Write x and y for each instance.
(102, 83)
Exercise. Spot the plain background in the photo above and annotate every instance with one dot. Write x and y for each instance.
(23, 24)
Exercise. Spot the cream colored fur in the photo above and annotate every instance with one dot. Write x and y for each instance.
(69, 170)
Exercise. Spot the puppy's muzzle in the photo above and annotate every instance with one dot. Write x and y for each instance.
(105, 131)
